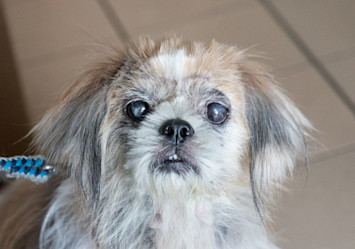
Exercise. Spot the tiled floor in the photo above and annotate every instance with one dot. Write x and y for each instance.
(310, 45)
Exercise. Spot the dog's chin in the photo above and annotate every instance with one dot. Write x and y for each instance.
(175, 167)
(175, 163)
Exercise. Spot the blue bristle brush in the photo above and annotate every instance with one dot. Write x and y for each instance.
(33, 168)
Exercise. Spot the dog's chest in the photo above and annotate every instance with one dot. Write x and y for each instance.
(184, 225)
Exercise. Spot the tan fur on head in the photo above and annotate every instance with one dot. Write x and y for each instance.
(167, 144)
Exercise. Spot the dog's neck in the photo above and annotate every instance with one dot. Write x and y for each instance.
(184, 224)
(143, 221)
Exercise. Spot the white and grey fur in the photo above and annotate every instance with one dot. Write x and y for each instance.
(111, 194)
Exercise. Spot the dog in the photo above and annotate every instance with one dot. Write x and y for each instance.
(163, 144)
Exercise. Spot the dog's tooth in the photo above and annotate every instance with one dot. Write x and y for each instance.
(170, 158)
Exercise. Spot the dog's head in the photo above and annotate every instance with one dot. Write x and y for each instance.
(174, 117)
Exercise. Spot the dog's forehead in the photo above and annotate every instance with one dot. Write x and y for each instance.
(167, 74)
(172, 66)
(171, 72)
(181, 71)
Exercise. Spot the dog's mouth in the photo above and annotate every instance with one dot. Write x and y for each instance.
(176, 162)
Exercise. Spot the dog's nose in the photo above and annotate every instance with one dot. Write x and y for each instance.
(176, 130)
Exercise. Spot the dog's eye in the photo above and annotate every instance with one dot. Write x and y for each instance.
(137, 110)
(217, 113)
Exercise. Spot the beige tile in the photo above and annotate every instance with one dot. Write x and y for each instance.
(320, 212)
(39, 27)
(246, 27)
(325, 25)
(142, 13)
(325, 110)
(43, 84)
(343, 71)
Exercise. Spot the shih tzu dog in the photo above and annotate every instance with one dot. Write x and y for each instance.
(164, 145)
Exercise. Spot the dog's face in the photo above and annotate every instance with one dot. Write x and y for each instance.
(174, 118)
(179, 123)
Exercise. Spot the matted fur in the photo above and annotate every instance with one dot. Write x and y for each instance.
(110, 193)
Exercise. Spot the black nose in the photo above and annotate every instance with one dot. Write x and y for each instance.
(176, 130)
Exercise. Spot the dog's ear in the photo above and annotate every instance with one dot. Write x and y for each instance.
(69, 135)
(277, 131)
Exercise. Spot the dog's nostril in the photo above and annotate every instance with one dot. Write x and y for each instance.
(186, 131)
(168, 131)
(176, 130)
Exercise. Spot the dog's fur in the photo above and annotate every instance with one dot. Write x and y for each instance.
(109, 191)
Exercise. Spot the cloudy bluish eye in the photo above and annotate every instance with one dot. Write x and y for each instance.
(137, 110)
(217, 113)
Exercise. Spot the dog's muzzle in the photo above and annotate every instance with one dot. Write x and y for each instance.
(175, 159)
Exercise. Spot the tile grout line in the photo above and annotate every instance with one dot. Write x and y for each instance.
(307, 52)
(329, 58)
(114, 20)
(320, 156)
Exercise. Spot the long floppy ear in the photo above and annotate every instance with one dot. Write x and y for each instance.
(277, 132)
(69, 135)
